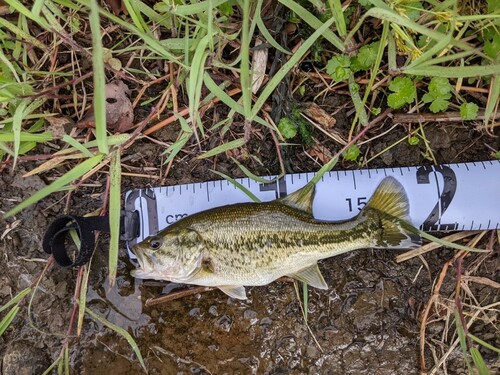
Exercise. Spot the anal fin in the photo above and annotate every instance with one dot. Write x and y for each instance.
(233, 291)
(310, 275)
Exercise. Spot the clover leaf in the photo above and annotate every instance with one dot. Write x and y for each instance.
(403, 92)
(468, 111)
(438, 95)
(339, 67)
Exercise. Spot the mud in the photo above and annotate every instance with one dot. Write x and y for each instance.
(366, 323)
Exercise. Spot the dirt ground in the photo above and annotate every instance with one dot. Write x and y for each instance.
(366, 323)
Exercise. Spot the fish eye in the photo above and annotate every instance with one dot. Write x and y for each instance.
(155, 243)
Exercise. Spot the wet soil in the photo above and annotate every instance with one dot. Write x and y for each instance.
(366, 323)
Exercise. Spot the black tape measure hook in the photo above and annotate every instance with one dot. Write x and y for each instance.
(55, 236)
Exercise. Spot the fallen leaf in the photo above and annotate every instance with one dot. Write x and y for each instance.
(4, 8)
(119, 111)
(116, 6)
(321, 152)
(259, 64)
(319, 115)
(60, 125)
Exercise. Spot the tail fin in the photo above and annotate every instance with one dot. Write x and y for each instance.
(390, 204)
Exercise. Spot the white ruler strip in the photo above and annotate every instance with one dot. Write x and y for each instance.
(448, 197)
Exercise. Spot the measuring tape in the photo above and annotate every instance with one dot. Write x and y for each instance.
(446, 197)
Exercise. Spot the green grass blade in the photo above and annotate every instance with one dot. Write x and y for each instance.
(378, 61)
(395, 18)
(7, 96)
(492, 102)
(447, 58)
(82, 300)
(121, 332)
(436, 49)
(305, 299)
(99, 79)
(227, 100)
(253, 176)
(338, 15)
(315, 23)
(478, 360)
(19, 296)
(280, 75)
(454, 71)
(136, 16)
(196, 78)
(17, 122)
(462, 340)
(483, 343)
(49, 369)
(223, 148)
(356, 99)
(189, 9)
(66, 360)
(19, 7)
(221, 94)
(113, 140)
(37, 6)
(325, 168)
(267, 35)
(21, 34)
(151, 43)
(53, 21)
(77, 145)
(245, 74)
(238, 185)
(176, 147)
(7, 319)
(114, 214)
(58, 184)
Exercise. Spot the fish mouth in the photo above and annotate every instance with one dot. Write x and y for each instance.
(144, 268)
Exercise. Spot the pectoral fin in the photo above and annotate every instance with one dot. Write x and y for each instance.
(233, 291)
(311, 275)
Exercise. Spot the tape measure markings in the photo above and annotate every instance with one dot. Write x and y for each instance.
(444, 197)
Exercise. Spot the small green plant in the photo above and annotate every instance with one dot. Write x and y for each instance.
(365, 58)
(403, 92)
(287, 128)
(352, 153)
(468, 111)
(339, 68)
(439, 94)
(413, 141)
(294, 125)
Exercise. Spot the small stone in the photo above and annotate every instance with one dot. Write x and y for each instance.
(213, 310)
(266, 321)
(194, 312)
(224, 323)
(249, 314)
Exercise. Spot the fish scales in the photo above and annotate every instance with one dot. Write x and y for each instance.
(244, 237)
(255, 243)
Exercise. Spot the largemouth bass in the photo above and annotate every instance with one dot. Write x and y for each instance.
(250, 244)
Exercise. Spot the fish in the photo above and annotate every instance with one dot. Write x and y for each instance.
(253, 244)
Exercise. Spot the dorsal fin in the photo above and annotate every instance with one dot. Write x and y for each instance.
(302, 199)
